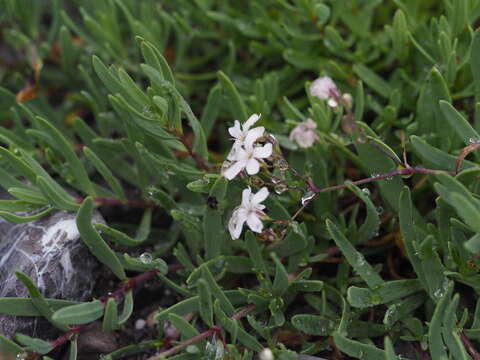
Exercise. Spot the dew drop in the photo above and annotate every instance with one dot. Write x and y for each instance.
(22, 356)
(309, 195)
(146, 258)
(380, 210)
(280, 188)
(473, 140)
(439, 293)
(366, 191)
(374, 175)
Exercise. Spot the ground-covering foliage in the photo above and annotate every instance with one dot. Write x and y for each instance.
(363, 239)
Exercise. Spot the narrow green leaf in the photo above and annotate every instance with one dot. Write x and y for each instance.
(354, 258)
(17, 219)
(235, 330)
(238, 108)
(217, 292)
(25, 307)
(102, 168)
(183, 326)
(18, 164)
(409, 234)
(211, 110)
(255, 254)
(373, 80)
(389, 350)
(9, 348)
(359, 101)
(357, 349)
(280, 282)
(38, 301)
(475, 63)
(461, 126)
(434, 157)
(314, 324)
(206, 304)
(35, 345)
(389, 291)
(110, 318)
(127, 308)
(436, 345)
(370, 227)
(48, 188)
(116, 236)
(95, 243)
(66, 150)
(73, 350)
(80, 314)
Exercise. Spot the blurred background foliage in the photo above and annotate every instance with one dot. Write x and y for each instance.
(108, 99)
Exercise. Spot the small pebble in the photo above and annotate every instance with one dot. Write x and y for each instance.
(140, 324)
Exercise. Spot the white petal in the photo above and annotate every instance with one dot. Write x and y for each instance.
(252, 166)
(233, 170)
(234, 152)
(310, 124)
(246, 194)
(235, 131)
(254, 223)
(332, 103)
(253, 135)
(251, 121)
(235, 224)
(295, 132)
(260, 196)
(261, 152)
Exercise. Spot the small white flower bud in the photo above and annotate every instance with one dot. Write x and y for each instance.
(347, 100)
(266, 354)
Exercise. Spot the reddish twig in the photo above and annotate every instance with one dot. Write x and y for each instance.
(207, 333)
(404, 171)
(128, 285)
(201, 163)
(466, 150)
(469, 346)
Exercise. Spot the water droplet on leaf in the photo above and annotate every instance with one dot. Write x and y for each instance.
(280, 188)
(309, 195)
(366, 191)
(146, 258)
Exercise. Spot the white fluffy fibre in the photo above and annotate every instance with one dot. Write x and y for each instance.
(69, 227)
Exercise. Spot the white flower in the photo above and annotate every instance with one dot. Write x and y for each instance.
(325, 89)
(266, 354)
(305, 134)
(250, 211)
(248, 157)
(240, 132)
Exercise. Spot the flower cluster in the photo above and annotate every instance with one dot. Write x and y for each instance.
(305, 133)
(324, 88)
(246, 154)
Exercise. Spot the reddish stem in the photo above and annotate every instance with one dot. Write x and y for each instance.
(201, 163)
(404, 171)
(128, 285)
(469, 346)
(207, 333)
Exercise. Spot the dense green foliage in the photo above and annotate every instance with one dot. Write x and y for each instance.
(127, 103)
